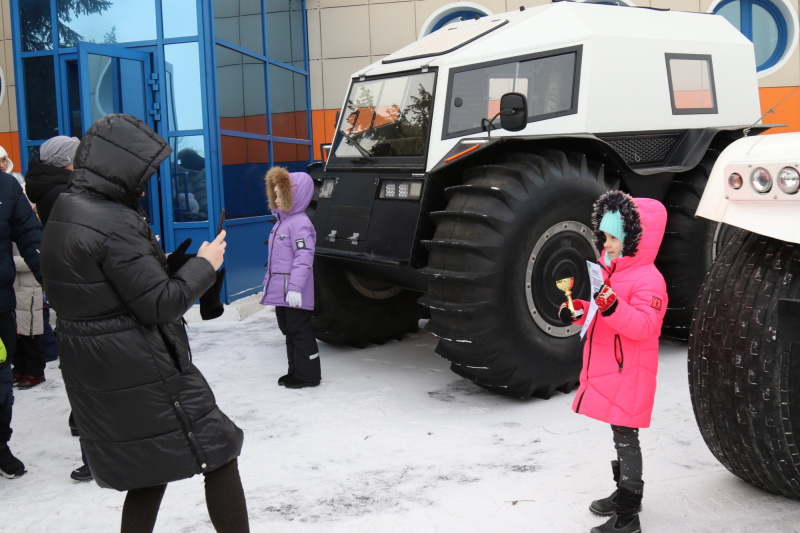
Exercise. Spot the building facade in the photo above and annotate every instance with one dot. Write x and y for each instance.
(239, 85)
(224, 81)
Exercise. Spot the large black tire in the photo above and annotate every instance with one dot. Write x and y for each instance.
(744, 376)
(354, 311)
(508, 233)
(688, 247)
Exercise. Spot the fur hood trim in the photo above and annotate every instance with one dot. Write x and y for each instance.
(279, 176)
(631, 220)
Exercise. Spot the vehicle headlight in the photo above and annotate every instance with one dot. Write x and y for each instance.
(761, 180)
(326, 190)
(789, 180)
(735, 181)
(401, 189)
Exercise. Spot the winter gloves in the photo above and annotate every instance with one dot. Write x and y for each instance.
(294, 298)
(210, 305)
(606, 300)
(178, 258)
(566, 316)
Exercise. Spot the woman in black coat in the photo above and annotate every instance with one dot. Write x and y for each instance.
(146, 414)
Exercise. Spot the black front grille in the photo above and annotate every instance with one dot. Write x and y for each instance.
(644, 150)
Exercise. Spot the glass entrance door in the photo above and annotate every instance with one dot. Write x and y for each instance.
(111, 79)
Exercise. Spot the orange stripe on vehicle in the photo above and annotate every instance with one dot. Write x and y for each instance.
(459, 154)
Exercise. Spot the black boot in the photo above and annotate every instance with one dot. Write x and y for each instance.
(625, 518)
(82, 473)
(10, 466)
(606, 506)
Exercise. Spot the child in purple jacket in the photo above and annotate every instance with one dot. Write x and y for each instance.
(289, 282)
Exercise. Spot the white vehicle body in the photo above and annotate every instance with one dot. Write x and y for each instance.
(464, 168)
(622, 65)
(775, 213)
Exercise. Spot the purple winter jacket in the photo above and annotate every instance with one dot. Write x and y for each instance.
(291, 246)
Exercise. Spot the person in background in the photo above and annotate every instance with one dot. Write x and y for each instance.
(145, 413)
(46, 179)
(289, 281)
(7, 166)
(28, 357)
(18, 225)
(620, 353)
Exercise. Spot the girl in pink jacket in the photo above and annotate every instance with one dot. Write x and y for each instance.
(620, 355)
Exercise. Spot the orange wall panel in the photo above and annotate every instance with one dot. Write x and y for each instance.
(256, 124)
(787, 100)
(10, 141)
(323, 124)
(232, 123)
(234, 150)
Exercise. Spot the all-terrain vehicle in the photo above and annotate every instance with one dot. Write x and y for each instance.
(464, 167)
(744, 349)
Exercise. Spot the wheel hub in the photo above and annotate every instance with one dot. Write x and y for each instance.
(560, 252)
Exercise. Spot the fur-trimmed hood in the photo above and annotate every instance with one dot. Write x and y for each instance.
(297, 189)
(643, 221)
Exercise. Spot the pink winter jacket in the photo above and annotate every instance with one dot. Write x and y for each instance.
(620, 355)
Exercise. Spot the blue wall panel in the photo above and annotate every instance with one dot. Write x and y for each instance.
(245, 255)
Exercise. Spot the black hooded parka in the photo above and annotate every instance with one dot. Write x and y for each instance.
(146, 414)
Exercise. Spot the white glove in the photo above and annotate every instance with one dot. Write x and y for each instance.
(294, 299)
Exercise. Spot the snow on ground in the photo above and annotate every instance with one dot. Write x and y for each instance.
(392, 441)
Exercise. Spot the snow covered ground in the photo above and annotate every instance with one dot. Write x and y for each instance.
(392, 441)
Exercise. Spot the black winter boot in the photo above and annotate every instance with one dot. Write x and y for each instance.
(606, 506)
(626, 515)
(10, 466)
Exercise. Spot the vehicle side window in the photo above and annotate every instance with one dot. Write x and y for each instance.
(552, 80)
(691, 84)
(548, 82)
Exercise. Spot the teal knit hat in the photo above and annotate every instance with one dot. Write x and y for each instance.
(612, 224)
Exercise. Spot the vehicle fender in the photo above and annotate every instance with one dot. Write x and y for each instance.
(773, 214)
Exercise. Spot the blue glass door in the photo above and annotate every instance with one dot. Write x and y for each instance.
(120, 80)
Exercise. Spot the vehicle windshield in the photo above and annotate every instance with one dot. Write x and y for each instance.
(388, 117)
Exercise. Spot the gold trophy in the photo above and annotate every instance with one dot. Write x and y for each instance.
(565, 285)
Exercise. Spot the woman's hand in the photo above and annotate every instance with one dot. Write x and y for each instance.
(214, 251)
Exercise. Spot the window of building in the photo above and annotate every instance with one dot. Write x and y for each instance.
(184, 98)
(179, 18)
(239, 22)
(242, 88)
(188, 174)
(770, 24)
(288, 103)
(244, 164)
(94, 21)
(691, 84)
(40, 90)
(286, 32)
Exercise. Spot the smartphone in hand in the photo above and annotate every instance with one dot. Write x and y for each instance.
(221, 221)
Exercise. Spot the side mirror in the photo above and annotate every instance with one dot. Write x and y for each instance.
(513, 111)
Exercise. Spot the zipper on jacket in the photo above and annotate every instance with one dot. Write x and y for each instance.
(30, 325)
(269, 253)
(618, 354)
(588, 362)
